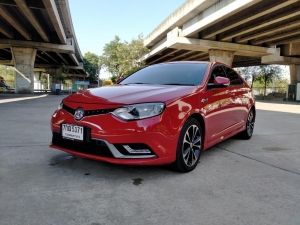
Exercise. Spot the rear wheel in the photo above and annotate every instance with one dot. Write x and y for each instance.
(189, 146)
(247, 133)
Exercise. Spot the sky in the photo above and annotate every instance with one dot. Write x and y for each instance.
(96, 22)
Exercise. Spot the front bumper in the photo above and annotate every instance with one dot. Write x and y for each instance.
(110, 133)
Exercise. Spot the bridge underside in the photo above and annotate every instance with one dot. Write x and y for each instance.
(46, 59)
(170, 55)
(237, 33)
(38, 34)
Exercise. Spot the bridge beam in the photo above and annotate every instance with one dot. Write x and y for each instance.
(278, 59)
(226, 57)
(55, 19)
(218, 51)
(24, 59)
(9, 18)
(33, 20)
(193, 44)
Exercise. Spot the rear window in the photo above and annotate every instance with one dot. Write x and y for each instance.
(189, 74)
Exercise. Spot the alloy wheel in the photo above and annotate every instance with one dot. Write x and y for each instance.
(250, 123)
(191, 146)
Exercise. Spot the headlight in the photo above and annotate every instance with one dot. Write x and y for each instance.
(139, 111)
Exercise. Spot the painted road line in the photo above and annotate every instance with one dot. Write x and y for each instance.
(20, 99)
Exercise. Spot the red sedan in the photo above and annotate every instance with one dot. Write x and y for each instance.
(163, 114)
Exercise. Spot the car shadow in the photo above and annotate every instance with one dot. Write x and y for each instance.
(87, 167)
(102, 169)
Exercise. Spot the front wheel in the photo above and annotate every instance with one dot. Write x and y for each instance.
(189, 146)
(247, 133)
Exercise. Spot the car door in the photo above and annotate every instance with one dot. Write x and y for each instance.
(238, 92)
(217, 105)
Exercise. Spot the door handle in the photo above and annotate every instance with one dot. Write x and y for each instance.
(204, 100)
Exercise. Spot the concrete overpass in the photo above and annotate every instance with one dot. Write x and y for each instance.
(235, 32)
(38, 34)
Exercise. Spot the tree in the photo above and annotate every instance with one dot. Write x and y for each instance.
(264, 74)
(249, 73)
(268, 74)
(123, 58)
(91, 65)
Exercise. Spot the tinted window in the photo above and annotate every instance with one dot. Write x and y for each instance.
(218, 71)
(233, 77)
(169, 74)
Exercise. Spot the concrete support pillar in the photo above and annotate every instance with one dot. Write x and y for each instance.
(56, 74)
(294, 73)
(24, 59)
(216, 55)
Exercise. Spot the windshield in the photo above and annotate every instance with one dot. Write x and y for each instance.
(189, 74)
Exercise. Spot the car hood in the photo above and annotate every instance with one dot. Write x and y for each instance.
(131, 94)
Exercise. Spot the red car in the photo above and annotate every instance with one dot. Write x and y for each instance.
(163, 114)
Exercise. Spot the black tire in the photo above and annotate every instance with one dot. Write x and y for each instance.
(189, 148)
(247, 133)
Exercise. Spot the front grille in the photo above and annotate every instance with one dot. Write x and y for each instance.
(97, 112)
(68, 109)
(88, 112)
(92, 147)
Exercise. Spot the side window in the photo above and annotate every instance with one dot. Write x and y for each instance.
(233, 77)
(218, 71)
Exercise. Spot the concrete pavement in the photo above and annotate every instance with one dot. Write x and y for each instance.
(237, 182)
(279, 107)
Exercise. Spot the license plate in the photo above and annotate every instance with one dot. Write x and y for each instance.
(72, 132)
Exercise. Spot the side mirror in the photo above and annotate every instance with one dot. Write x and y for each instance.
(222, 81)
(219, 82)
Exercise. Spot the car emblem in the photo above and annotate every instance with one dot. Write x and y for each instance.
(79, 114)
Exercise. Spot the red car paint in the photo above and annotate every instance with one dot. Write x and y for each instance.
(223, 111)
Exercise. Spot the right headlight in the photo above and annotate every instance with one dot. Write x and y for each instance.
(139, 111)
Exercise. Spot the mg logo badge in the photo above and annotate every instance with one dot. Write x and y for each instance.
(79, 114)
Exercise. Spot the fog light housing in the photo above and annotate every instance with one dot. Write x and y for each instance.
(136, 151)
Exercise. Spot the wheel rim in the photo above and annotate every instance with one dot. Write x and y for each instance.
(250, 123)
(191, 146)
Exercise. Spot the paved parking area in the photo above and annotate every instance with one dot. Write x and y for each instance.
(236, 183)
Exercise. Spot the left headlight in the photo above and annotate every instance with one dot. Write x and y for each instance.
(139, 111)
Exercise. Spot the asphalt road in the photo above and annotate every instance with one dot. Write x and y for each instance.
(255, 182)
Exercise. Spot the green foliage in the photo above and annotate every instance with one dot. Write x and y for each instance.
(268, 73)
(7, 73)
(91, 65)
(248, 73)
(123, 58)
(114, 79)
(261, 75)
